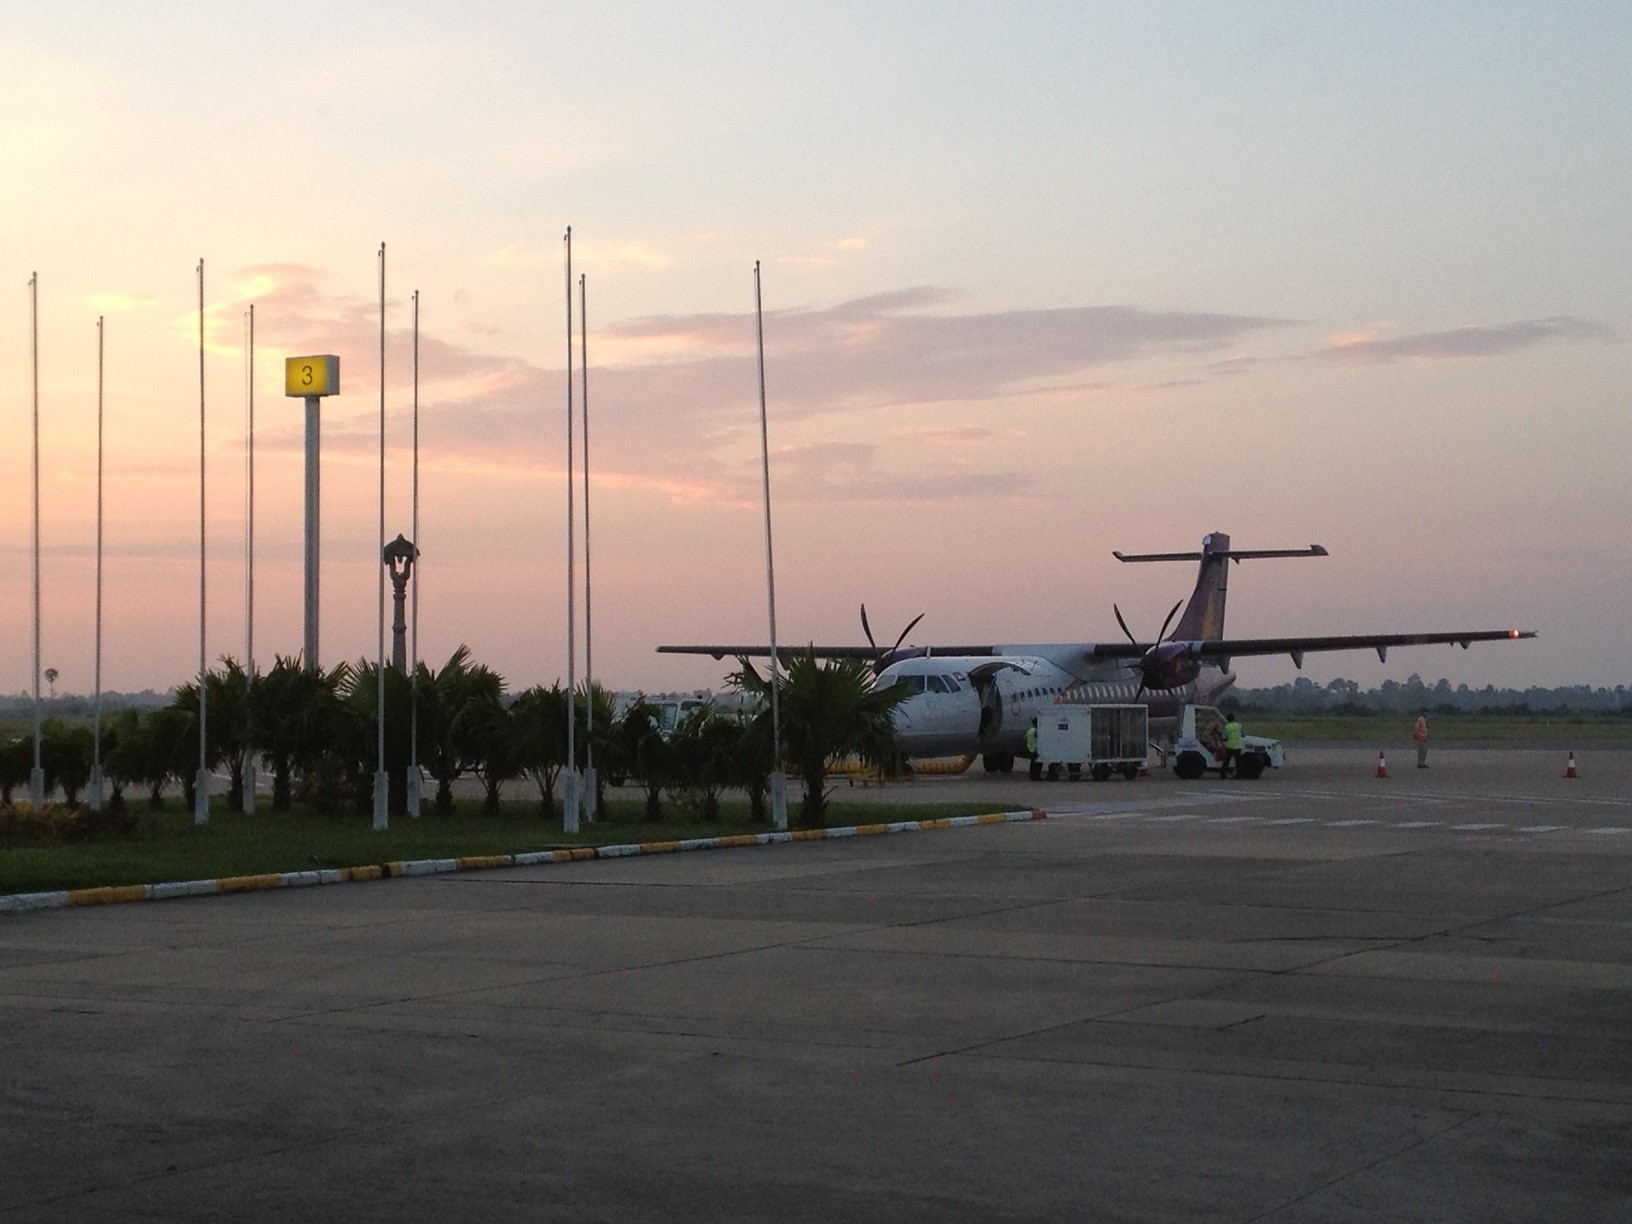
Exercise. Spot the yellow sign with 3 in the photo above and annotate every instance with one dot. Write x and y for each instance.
(308, 376)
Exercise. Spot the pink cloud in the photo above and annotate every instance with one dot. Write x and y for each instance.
(1464, 343)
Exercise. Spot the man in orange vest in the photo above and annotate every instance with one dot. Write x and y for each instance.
(1421, 736)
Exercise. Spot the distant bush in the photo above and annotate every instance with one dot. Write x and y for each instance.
(60, 822)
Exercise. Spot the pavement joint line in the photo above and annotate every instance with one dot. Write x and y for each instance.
(120, 893)
(1368, 1166)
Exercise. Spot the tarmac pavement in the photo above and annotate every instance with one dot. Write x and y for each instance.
(1320, 996)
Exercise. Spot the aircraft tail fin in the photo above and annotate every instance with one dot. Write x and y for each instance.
(1203, 617)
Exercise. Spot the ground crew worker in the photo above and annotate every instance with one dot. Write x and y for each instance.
(1031, 750)
(1232, 747)
(1421, 736)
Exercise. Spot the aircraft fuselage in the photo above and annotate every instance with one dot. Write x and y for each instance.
(983, 704)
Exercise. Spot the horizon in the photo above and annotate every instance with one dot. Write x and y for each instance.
(1084, 278)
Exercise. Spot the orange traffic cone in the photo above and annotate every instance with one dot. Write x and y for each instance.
(1569, 767)
(1382, 765)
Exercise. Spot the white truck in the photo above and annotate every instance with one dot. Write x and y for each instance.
(1198, 746)
(1099, 738)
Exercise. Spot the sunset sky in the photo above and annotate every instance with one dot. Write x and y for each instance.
(1041, 280)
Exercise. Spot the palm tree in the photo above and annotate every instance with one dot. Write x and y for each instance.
(124, 753)
(702, 754)
(456, 703)
(361, 698)
(172, 749)
(65, 754)
(16, 762)
(540, 716)
(229, 700)
(602, 740)
(297, 715)
(830, 708)
(499, 759)
(645, 752)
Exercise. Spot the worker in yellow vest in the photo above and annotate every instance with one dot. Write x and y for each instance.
(1233, 744)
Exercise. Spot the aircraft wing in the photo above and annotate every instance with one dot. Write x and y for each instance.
(870, 653)
(1296, 647)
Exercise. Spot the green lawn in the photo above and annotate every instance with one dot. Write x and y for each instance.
(167, 846)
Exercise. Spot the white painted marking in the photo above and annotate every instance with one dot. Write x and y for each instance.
(1231, 819)
(1479, 826)
(1417, 824)
(1292, 820)
(1540, 828)
(1610, 829)
(1174, 819)
(1346, 824)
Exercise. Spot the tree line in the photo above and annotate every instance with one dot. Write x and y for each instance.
(313, 732)
(1304, 696)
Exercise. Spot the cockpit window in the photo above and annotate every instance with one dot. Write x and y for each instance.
(936, 684)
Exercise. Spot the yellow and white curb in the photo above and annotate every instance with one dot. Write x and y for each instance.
(61, 899)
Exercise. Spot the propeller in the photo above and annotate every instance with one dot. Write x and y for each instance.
(884, 655)
(1151, 660)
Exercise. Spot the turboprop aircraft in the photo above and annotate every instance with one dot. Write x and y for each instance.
(966, 699)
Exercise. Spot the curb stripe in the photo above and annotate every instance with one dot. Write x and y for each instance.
(115, 894)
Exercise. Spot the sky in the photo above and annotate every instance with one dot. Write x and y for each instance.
(1040, 281)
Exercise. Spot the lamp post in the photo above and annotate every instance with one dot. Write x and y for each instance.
(398, 558)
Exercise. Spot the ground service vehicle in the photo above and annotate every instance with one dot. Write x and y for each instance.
(1198, 746)
(1099, 738)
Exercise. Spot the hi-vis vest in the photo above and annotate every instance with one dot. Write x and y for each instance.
(1421, 733)
(1232, 735)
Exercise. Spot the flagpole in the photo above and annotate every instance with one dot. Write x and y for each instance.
(779, 781)
(413, 629)
(569, 786)
(36, 778)
(382, 782)
(96, 742)
(590, 797)
(201, 788)
(249, 561)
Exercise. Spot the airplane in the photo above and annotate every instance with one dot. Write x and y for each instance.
(980, 699)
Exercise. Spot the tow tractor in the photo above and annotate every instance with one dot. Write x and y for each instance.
(1198, 746)
(1103, 739)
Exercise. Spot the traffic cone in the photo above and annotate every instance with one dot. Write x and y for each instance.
(1382, 765)
(1569, 767)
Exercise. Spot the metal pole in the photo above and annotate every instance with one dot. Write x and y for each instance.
(382, 781)
(96, 741)
(249, 562)
(36, 777)
(201, 788)
(779, 781)
(569, 787)
(413, 630)
(314, 427)
(589, 653)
